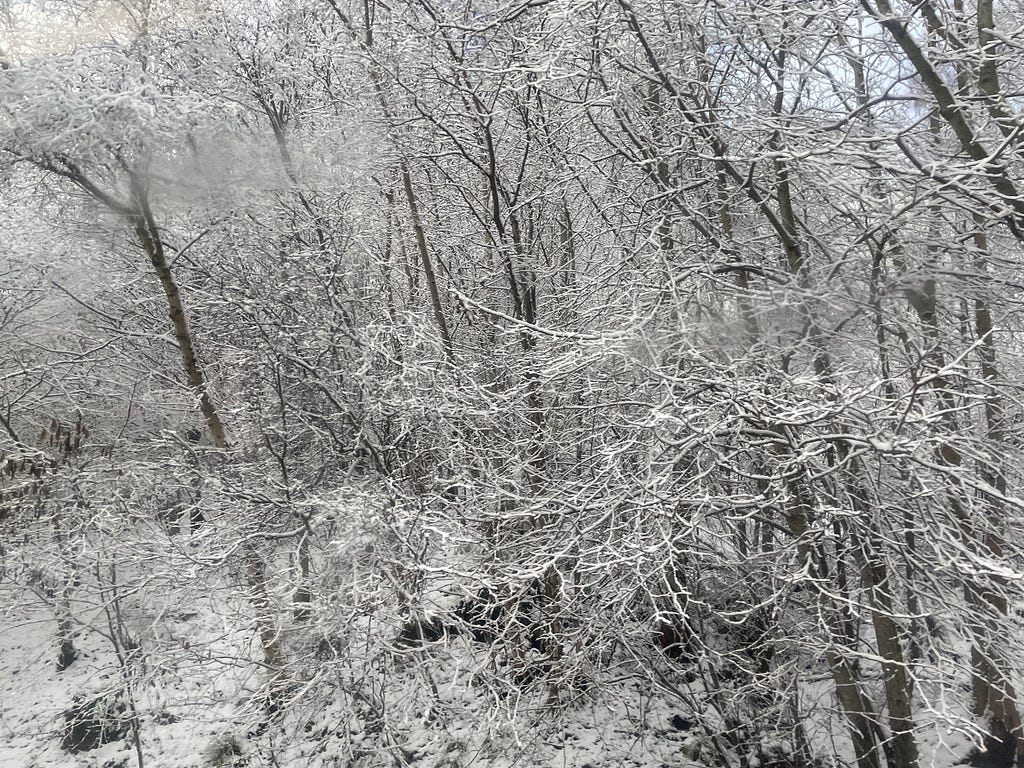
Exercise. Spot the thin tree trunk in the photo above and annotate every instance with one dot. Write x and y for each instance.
(995, 695)
(428, 267)
(149, 236)
(895, 678)
(270, 638)
(62, 601)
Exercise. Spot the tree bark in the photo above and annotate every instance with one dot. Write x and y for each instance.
(428, 267)
(149, 236)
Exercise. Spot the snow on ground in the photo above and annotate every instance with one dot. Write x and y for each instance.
(197, 692)
(184, 706)
(192, 703)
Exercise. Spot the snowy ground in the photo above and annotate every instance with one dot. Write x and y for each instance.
(181, 714)
(195, 697)
(183, 718)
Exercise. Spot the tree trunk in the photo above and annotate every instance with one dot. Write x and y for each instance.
(428, 267)
(149, 236)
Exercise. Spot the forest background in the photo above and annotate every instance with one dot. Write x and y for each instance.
(435, 383)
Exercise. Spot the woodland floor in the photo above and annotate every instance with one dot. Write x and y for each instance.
(192, 701)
